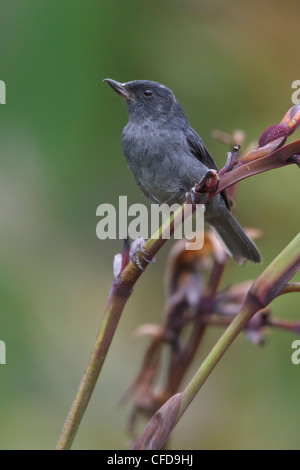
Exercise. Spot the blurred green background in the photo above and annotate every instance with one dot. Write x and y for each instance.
(231, 65)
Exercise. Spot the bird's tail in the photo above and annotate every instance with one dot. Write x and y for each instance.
(238, 244)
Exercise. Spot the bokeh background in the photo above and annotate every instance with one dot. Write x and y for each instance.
(231, 65)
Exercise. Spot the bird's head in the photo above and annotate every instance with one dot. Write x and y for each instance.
(146, 99)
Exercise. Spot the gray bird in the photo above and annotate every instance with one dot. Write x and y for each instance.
(167, 158)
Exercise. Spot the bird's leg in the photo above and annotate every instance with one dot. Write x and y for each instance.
(201, 191)
(193, 197)
(137, 247)
(207, 185)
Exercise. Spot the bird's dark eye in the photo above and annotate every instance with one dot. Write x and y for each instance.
(148, 92)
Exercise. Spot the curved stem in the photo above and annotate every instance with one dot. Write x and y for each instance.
(215, 355)
(119, 294)
(91, 374)
(264, 289)
(290, 287)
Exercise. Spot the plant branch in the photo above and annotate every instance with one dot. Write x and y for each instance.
(129, 274)
(120, 292)
(262, 292)
(290, 287)
(277, 159)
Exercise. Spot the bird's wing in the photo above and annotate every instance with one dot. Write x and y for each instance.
(199, 151)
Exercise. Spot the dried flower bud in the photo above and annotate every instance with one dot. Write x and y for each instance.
(292, 118)
(288, 125)
(273, 133)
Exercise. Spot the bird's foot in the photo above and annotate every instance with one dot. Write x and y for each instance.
(193, 197)
(137, 247)
(207, 185)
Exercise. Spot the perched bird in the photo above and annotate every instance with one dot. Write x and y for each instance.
(167, 158)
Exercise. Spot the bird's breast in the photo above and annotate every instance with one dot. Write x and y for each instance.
(159, 160)
(142, 143)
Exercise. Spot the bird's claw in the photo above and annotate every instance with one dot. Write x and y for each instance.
(192, 196)
(199, 193)
(208, 183)
(137, 247)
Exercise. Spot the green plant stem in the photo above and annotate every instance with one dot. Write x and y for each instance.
(119, 294)
(291, 287)
(215, 355)
(91, 374)
(266, 287)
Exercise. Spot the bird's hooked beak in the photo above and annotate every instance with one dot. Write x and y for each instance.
(119, 88)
